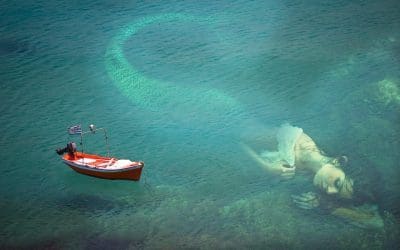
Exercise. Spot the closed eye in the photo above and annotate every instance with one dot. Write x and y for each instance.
(338, 183)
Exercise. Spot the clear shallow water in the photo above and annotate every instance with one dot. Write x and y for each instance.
(220, 76)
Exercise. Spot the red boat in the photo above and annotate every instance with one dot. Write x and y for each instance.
(99, 166)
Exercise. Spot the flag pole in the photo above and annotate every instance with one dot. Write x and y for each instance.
(106, 137)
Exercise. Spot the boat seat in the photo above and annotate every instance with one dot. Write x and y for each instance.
(120, 164)
(105, 164)
(84, 161)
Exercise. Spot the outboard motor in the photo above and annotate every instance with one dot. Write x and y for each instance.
(70, 149)
(61, 151)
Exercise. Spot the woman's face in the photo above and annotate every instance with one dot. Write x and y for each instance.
(333, 180)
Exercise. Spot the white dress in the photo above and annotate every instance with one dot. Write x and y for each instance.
(287, 137)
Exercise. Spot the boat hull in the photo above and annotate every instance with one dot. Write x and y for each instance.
(132, 171)
(126, 174)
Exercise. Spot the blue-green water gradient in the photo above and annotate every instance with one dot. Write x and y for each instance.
(180, 85)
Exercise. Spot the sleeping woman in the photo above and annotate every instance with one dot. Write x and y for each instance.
(290, 150)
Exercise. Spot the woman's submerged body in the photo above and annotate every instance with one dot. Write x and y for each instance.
(291, 150)
(297, 151)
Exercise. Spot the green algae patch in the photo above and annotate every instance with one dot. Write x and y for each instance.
(388, 91)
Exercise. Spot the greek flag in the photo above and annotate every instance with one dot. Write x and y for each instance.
(77, 129)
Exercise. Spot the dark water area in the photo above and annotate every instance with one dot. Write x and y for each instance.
(183, 85)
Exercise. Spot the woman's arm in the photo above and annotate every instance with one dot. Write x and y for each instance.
(278, 167)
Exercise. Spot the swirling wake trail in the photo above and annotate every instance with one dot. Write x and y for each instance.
(164, 97)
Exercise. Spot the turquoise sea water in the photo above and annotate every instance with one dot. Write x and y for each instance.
(181, 85)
